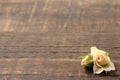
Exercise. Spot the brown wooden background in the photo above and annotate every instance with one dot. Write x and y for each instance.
(42, 39)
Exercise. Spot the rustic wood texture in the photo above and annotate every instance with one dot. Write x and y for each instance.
(51, 69)
(42, 39)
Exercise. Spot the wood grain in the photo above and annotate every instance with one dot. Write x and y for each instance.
(50, 68)
(42, 39)
(52, 16)
(38, 45)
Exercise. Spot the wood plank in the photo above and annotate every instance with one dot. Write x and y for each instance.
(43, 77)
(62, 16)
(53, 68)
(34, 45)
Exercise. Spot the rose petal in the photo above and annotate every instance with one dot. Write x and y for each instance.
(97, 69)
(110, 66)
(93, 50)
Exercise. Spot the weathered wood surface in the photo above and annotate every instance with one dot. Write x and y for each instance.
(42, 39)
(43, 69)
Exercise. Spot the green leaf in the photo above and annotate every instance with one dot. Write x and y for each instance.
(90, 64)
(82, 57)
(107, 53)
(89, 57)
(89, 60)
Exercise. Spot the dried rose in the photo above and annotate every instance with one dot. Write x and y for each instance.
(101, 61)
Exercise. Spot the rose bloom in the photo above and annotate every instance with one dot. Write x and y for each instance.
(101, 61)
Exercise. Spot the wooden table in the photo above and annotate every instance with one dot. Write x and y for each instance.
(42, 39)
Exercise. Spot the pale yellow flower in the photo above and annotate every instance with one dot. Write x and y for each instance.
(101, 61)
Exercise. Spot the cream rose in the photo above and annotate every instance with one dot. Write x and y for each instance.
(101, 61)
